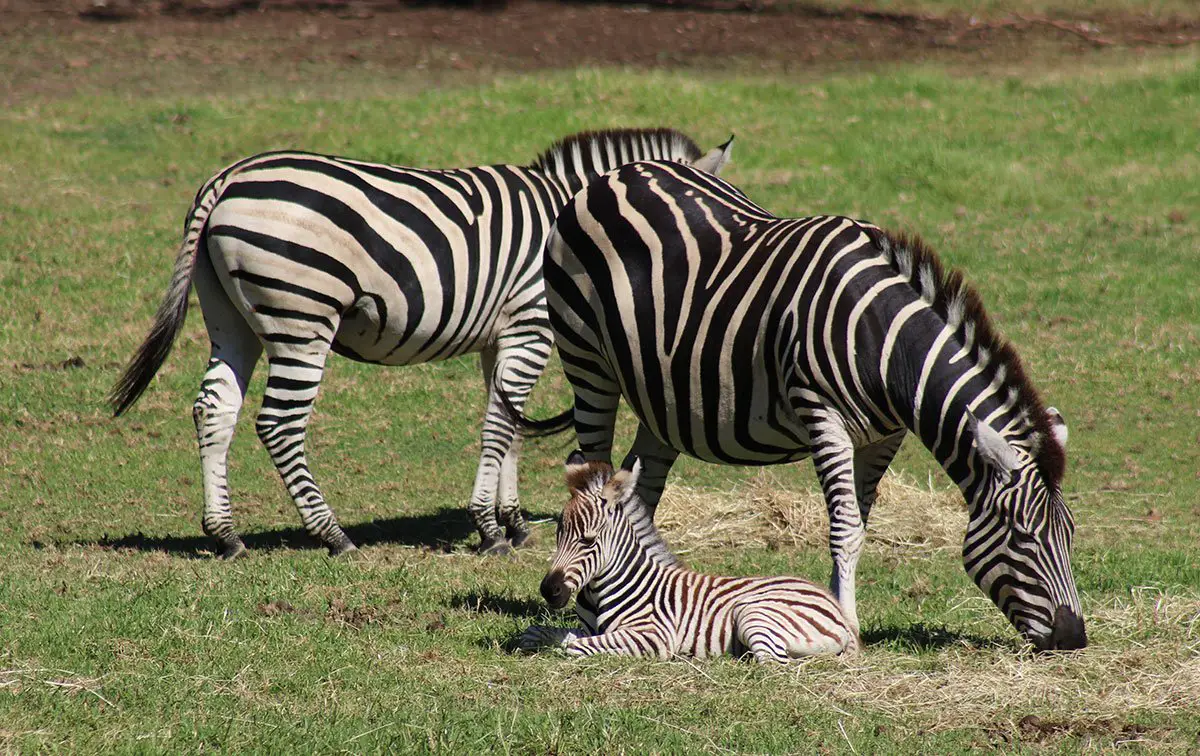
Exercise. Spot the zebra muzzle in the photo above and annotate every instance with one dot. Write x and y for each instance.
(555, 589)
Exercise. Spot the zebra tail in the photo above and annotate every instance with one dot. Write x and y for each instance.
(531, 428)
(171, 313)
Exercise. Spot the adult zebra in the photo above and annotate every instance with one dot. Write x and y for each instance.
(296, 254)
(742, 338)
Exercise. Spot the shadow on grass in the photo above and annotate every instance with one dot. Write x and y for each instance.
(487, 602)
(440, 531)
(921, 637)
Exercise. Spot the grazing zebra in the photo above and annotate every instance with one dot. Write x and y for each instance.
(741, 338)
(636, 599)
(296, 254)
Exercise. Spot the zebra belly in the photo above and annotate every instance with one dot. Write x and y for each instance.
(366, 336)
(720, 419)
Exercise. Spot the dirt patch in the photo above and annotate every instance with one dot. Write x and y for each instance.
(1032, 728)
(51, 47)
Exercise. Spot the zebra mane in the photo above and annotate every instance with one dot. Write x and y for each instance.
(574, 155)
(641, 519)
(948, 293)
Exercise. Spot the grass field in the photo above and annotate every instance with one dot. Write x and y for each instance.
(1069, 196)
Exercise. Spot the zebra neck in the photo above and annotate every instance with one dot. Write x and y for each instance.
(953, 382)
(610, 589)
(649, 540)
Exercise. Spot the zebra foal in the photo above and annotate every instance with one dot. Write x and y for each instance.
(296, 255)
(636, 599)
(741, 338)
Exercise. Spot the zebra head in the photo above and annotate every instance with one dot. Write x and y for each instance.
(589, 533)
(1018, 543)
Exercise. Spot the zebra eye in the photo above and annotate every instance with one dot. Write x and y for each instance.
(588, 539)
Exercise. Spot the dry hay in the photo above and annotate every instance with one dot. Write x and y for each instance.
(764, 512)
(1144, 656)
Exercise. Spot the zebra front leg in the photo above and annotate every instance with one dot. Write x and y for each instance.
(625, 641)
(292, 383)
(538, 637)
(870, 464)
(833, 458)
(657, 459)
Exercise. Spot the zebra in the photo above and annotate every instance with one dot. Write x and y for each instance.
(741, 338)
(636, 598)
(297, 254)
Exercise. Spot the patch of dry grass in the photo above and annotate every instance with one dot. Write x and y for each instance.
(764, 512)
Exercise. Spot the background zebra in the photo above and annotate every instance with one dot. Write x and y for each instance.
(742, 338)
(636, 599)
(296, 254)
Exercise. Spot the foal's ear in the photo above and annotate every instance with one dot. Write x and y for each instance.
(624, 482)
(579, 471)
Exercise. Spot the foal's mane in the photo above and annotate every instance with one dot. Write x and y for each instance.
(959, 304)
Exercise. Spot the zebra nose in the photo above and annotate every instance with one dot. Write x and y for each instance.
(554, 590)
(1068, 633)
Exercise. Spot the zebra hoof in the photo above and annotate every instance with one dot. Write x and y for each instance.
(346, 546)
(232, 550)
(495, 547)
(520, 538)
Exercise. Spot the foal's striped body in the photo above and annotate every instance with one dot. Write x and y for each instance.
(636, 599)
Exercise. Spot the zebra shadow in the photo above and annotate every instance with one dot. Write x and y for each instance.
(529, 611)
(922, 637)
(443, 530)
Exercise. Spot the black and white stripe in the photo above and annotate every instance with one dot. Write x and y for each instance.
(742, 338)
(636, 599)
(296, 254)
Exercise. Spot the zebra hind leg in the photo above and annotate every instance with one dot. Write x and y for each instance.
(235, 351)
(292, 383)
(508, 511)
(513, 365)
(215, 413)
(657, 459)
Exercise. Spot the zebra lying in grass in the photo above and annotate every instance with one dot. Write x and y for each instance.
(636, 599)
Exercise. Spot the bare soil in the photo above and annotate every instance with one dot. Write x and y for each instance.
(49, 47)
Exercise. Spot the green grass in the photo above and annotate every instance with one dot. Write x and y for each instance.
(1069, 197)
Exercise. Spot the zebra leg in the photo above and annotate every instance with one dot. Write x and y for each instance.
(870, 463)
(513, 365)
(537, 637)
(597, 397)
(292, 383)
(508, 507)
(235, 351)
(657, 459)
(516, 529)
(833, 458)
(771, 637)
(625, 641)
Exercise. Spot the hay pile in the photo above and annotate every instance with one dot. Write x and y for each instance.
(764, 512)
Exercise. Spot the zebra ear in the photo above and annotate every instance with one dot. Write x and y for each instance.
(1058, 426)
(625, 481)
(716, 158)
(992, 447)
(578, 471)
